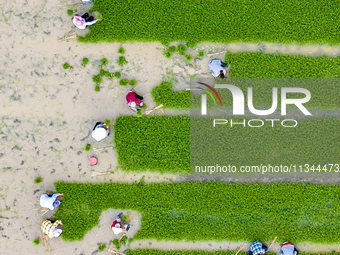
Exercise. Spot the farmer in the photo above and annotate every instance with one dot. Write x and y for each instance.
(133, 100)
(51, 229)
(50, 202)
(84, 21)
(87, 1)
(100, 131)
(288, 249)
(257, 248)
(218, 68)
(117, 226)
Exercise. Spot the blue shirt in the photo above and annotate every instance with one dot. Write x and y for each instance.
(257, 249)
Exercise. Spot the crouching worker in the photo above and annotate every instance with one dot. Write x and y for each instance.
(218, 68)
(288, 249)
(134, 100)
(257, 248)
(100, 131)
(118, 226)
(50, 230)
(84, 21)
(51, 201)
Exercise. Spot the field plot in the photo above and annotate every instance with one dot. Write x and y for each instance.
(260, 65)
(163, 143)
(158, 252)
(211, 21)
(195, 211)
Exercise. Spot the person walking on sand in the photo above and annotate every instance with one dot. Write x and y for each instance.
(218, 68)
(133, 100)
(50, 202)
(100, 131)
(84, 21)
(288, 249)
(257, 248)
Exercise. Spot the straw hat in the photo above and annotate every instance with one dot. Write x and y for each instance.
(78, 21)
(99, 134)
(132, 104)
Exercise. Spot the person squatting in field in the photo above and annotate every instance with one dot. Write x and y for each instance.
(84, 21)
(134, 100)
(51, 229)
(257, 248)
(288, 249)
(218, 68)
(51, 201)
(117, 226)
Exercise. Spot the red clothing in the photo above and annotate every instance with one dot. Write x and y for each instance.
(114, 224)
(286, 244)
(131, 96)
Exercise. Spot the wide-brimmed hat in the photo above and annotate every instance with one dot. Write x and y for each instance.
(132, 104)
(78, 21)
(99, 134)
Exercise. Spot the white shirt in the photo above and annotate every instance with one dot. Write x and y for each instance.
(47, 202)
(117, 231)
(215, 67)
(288, 250)
(85, 24)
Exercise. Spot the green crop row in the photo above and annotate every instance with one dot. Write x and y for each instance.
(195, 21)
(167, 144)
(195, 211)
(153, 143)
(258, 65)
(197, 252)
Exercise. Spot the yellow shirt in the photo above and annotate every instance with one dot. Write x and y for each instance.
(47, 227)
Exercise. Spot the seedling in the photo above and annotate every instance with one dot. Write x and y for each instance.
(139, 113)
(181, 49)
(117, 74)
(123, 240)
(116, 243)
(67, 66)
(70, 12)
(88, 147)
(172, 49)
(132, 82)
(167, 54)
(38, 180)
(85, 61)
(97, 88)
(108, 122)
(99, 16)
(121, 50)
(123, 82)
(144, 106)
(201, 54)
(122, 61)
(36, 241)
(101, 247)
(107, 74)
(188, 57)
(97, 79)
(104, 61)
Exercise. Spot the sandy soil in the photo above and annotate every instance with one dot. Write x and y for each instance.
(47, 114)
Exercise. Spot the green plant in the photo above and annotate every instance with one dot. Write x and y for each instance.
(70, 12)
(99, 16)
(117, 75)
(188, 57)
(85, 61)
(123, 82)
(121, 50)
(201, 54)
(36, 241)
(291, 26)
(139, 113)
(163, 94)
(104, 61)
(97, 79)
(101, 247)
(167, 54)
(172, 49)
(132, 82)
(184, 211)
(181, 49)
(38, 180)
(144, 106)
(116, 243)
(122, 61)
(108, 122)
(123, 240)
(87, 147)
(107, 74)
(97, 88)
(67, 66)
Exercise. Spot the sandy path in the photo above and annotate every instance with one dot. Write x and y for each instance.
(47, 113)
